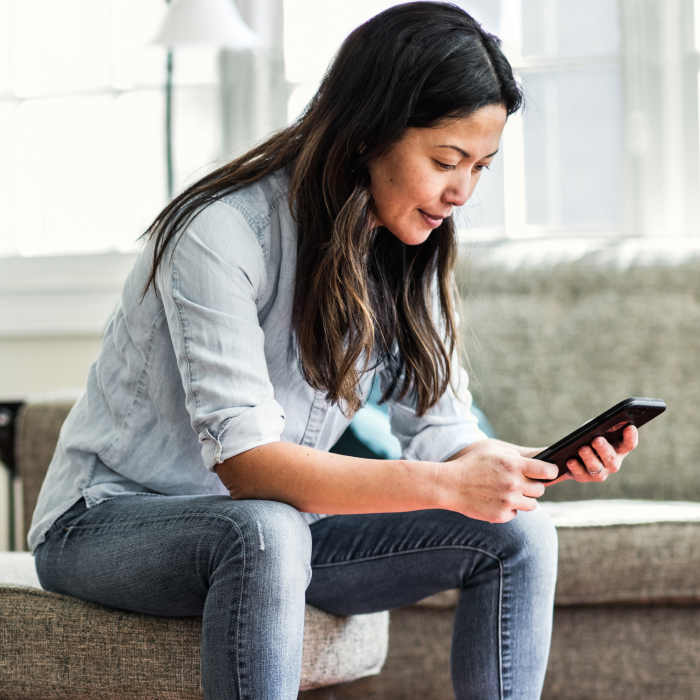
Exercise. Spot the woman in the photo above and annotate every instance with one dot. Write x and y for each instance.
(269, 298)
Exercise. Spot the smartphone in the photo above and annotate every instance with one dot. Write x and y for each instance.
(610, 424)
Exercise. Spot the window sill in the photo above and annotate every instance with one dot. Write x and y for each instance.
(60, 295)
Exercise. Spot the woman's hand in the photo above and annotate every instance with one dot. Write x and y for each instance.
(493, 481)
(604, 459)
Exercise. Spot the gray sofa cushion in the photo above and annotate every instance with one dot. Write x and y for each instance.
(627, 552)
(552, 345)
(55, 646)
(612, 552)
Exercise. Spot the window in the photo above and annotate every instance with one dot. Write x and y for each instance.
(608, 142)
(570, 65)
(82, 154)
(549, 178)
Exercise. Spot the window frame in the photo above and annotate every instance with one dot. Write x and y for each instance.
(659, 62)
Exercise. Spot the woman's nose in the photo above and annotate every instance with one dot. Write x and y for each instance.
(459, 193)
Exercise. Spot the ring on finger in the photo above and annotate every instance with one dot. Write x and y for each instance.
(597, 471)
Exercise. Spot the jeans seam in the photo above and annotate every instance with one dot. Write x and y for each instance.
(240, 601)
(432, 549)
(152, 520)
(500, 627)
(409, 551)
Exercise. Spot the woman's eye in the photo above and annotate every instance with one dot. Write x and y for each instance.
(481, 167)
(445, 166)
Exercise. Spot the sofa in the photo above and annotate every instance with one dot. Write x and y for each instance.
(552, 335)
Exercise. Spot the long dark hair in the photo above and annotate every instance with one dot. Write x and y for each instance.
(361, 295)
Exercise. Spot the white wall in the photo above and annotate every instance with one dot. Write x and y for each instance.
(52, 315)
(39, 364)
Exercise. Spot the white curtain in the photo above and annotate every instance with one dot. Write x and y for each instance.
(254, 91)
(662, 156)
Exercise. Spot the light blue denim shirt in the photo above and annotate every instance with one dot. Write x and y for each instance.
(202, 370)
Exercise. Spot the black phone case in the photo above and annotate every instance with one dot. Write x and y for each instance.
(635, 411)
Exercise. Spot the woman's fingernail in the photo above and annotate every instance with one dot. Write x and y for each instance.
(585, 450)
(571, 463)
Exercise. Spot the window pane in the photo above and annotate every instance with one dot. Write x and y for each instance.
(197, 133)
(136, 174)
(5, 76)
(486, 208)
(486, 12)
(90, 173)
(87, 172)
(135, 62)
(61, 175)
(570, 27)
(91, 170)
(59, 46)
(573, 144)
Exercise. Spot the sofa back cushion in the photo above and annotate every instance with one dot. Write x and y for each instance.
(553, 345)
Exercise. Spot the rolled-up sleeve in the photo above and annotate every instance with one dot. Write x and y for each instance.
(209, 286)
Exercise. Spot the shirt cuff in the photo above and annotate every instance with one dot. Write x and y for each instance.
(436, 443)
(259, 425)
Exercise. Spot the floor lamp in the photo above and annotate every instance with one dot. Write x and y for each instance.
(193, 23)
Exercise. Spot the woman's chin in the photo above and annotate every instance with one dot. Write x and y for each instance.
(414, 236)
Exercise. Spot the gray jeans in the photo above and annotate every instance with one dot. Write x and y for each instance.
(246, 567)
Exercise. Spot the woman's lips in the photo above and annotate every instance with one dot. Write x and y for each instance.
(432, 221)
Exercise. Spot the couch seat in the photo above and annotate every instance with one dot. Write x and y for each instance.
(630, 552)
(55, 646)
(621, 552)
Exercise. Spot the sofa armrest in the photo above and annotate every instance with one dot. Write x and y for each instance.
(38, 426)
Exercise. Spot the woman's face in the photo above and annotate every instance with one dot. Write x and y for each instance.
(429, 172)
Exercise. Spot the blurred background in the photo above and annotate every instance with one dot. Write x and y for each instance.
(606, 148)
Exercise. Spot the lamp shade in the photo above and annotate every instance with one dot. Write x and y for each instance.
(205, 23)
